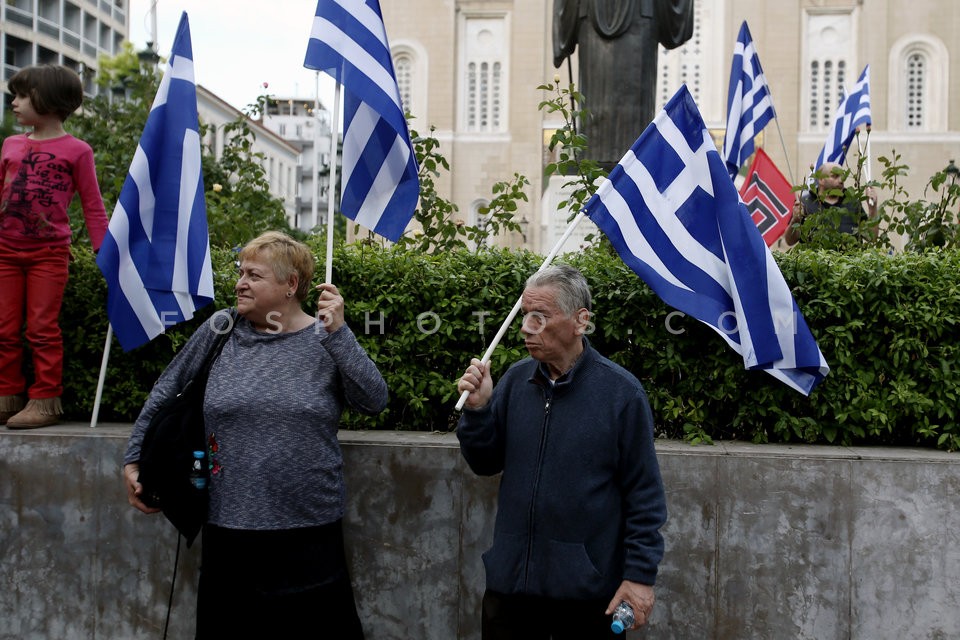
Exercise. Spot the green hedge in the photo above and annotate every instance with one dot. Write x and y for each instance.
(887, 325)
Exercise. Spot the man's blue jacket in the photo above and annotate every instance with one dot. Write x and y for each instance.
(581, 500)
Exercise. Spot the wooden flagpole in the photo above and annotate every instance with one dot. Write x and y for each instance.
(516, 307)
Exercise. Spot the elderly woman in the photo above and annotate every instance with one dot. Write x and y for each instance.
(272, 561)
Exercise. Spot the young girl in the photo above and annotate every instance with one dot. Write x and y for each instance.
(40, 172)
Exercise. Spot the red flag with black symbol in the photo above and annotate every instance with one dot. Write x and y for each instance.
(769, 197)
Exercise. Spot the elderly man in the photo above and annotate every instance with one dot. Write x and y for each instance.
(830, 195)
(581, 500)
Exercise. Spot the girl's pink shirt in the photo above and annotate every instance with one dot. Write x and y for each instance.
(40, 178)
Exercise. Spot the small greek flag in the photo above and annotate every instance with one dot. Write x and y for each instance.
(156, 254)
(854, 110)
(380, 182)
(749, 106)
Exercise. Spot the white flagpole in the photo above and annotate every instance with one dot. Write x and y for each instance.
(869, 170)
(516, 307)
(331, 188)
(103, 375)
(314, 218)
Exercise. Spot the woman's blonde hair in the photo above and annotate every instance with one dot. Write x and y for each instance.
(285, 256)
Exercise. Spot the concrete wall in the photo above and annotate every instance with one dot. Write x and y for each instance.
(762, 542)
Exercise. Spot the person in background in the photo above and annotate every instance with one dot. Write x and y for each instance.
(830, 194)
(581, 499)
(40, 172)
(273, 562)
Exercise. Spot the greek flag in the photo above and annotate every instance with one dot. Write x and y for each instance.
(854, 110)
(380, 182)
(749, 106)
(672, 213)
(156, 254)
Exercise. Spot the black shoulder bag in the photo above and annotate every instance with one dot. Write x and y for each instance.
(175, 431)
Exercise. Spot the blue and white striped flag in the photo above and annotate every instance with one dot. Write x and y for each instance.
(854, 110)
(156, 254)
(749, 105)
(380, 182)
(672, 213)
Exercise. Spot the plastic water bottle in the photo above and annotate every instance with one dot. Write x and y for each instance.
(622, 617)
(197, 479)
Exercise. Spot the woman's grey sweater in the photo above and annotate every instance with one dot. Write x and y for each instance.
(272, 411)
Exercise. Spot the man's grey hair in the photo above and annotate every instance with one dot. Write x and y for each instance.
(573, 292)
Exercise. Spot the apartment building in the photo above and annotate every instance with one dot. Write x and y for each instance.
(280, 157)
(306, 126)
(74, 33)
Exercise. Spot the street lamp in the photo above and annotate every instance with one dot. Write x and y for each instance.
(524, 223)
(149, 55)
(953, 172)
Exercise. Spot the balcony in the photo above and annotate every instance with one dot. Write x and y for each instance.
(19, 16)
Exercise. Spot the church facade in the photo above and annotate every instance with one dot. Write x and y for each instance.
(468, 72)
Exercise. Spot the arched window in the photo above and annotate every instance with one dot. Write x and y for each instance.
(829, 50)
(484, 88)
(484, 58)
(915, 92)
(827, 84)
(814, 95)
(919, 69)
(410, 66)
(403, 67)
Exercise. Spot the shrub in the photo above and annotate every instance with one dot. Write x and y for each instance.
(889, 326)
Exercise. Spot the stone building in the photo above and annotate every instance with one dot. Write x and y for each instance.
(472, 70)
